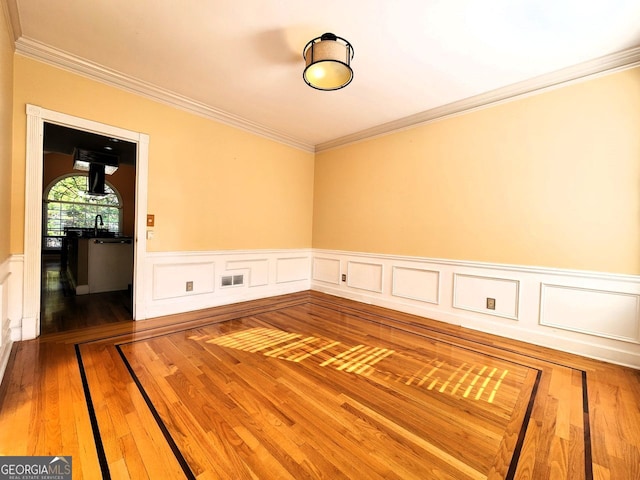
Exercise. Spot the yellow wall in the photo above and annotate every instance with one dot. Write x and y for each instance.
(549, 180)
(210, 186)
(6, 94)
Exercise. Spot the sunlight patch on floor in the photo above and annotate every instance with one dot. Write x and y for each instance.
(477, 382)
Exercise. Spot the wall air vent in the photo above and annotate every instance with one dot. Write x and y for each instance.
(232, 280)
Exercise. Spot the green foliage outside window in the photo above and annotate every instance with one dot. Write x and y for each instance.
(68, 205)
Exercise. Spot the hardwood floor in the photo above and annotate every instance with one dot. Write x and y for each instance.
(62, 310)
(313, 386)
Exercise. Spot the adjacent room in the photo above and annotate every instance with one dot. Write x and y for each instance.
(360, 240)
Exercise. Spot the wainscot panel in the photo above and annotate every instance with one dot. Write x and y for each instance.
(221, 277)
(5, 332)
(416, 284)
(257, 270)
(587, 313)
(488, 295)
(365, 276)
(292, 269)
(607, 314)
(14, 288)
(326, 270)
(172, 280)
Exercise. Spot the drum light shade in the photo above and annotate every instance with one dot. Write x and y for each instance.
(328, 62)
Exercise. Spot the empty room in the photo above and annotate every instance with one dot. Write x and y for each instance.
(343, 240)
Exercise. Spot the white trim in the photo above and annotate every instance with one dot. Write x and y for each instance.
(39, 51)
(367, 276)
(170, 297)
(600, 66)
(32, 223)
(604, 329)
(36, 118)
(518, 288)
(587, 70)
(619, 277)
(5, 322)
(481, 307)
(5, 353)
(395, 287)
(230, 254)
(278, 272)
(14, 292)
(326, 270)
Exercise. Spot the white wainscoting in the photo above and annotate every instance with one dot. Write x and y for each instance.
(5, 332)
(365, 275)
(170, 279)
(293, 269)
(326, 270)
(416, 284)
(14, 287)
(592, 314)
(266, 273)
(470, 292)
(256, 269)
(596, 312)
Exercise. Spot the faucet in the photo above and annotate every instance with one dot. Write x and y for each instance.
(95, 225)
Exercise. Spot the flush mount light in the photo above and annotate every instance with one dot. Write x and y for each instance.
(328, 62)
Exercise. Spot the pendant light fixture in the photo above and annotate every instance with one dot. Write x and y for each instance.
(328, 62)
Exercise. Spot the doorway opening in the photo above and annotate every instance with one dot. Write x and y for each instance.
(35, 245)
(87, 229)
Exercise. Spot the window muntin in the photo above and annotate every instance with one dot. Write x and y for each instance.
(66, 204)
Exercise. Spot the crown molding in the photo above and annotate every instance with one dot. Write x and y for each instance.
(599, 66)
(582, 71)
(39, 51)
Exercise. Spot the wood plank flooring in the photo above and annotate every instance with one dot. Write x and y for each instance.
(313, 386)
(62, 310)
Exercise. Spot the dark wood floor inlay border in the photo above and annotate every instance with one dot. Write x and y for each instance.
(367, 316)
(97, 438)
(164, 427)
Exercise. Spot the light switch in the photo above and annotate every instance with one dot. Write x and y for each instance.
(151, 219)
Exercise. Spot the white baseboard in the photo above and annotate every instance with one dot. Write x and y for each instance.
(593, 314)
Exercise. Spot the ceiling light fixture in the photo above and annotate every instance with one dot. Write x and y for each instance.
(328, 62)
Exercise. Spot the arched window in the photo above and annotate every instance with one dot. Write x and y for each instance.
(67, 204)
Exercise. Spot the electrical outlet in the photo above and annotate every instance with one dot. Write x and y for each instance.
(491, 303)
(190, 286)
(344, 277)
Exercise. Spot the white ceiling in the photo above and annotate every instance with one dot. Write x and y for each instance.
(241, 60)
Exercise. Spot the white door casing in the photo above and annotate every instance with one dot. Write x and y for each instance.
(36, 118)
